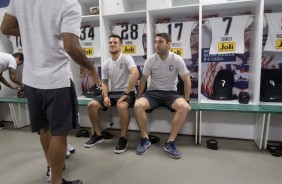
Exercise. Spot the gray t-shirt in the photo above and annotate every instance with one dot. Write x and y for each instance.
(164, 74)
(7, 61)
(42, 22)
(118, 72)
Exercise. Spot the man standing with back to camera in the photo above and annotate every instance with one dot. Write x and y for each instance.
(50, 33)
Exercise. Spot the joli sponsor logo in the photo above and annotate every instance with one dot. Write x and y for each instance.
(226, 46)
(89, 51)
(129, 49)
(178, 51)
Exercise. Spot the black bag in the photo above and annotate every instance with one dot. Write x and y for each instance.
(222, 85)
(244, 97)
(93, 92)
(271, 85)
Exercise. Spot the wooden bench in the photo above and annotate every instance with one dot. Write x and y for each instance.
(237, 108)
(269, 109)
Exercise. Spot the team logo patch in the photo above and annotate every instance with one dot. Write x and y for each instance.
(121, 66)
(89, 51)
(129, 49)
(278, 44)
(171, 67)
(226, 46)
(178, 51)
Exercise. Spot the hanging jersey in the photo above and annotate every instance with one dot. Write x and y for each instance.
(180, 33)
(16, 43)
(132, 35)
(90, 41)
(228, 33)
(274, 38)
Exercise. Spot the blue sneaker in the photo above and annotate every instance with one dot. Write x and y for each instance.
(172, 151)
(144, 145)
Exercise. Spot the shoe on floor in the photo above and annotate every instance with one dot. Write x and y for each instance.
(71, 182)
(121, 146)
(48, 173)
(71, 149)
(94, 140)
(143, 146)
(2, 126)
(68, 153)
(171, 149)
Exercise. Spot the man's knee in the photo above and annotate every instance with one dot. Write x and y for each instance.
(92, 105)
(182, 106)
(122, 106)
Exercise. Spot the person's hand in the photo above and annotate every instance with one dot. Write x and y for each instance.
(122, 98)
(107, 102)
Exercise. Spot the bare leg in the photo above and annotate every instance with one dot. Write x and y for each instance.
(57, 156)
(94, 115)
(124, 118)
(45, 137)
(140, 106)
(182, 108)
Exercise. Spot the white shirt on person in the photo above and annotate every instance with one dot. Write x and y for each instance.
(41, 25)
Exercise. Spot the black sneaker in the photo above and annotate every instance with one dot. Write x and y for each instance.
(94, 140)
(71, 182)
(2, 126)
(48, 173)
(121, 146)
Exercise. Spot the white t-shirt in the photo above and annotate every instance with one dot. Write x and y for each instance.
(16, 43)
(7, 61)
(132, 35)
(274, 38)
(118, 72)
(180, 36)
(164, 74)
(41, 25)
(228, 33)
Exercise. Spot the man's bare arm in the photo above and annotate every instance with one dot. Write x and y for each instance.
(187, 86)
(13, 77)
(10, 25)
(134, 75)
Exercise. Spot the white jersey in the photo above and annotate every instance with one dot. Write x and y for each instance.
(7, 61)
(118, 71)
(228, 33)
(132, 35)
(16, 43)
(48, 65)
(180, 36)
(274, 38)
(164, 74)
(90, 41)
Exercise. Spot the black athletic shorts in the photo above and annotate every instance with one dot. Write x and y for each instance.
(114, 97)
(55, 109)
(157, 98)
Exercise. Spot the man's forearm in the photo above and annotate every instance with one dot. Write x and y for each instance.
(132, 82)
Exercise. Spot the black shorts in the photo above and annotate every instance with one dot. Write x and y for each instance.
(158, 97)
(114, 97)
(55, 109)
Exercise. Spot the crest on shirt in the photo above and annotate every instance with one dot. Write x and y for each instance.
(171, 67)
(121, 66)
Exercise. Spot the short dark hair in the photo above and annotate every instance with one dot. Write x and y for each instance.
(19, 55)
(116, 36)
(166, 36)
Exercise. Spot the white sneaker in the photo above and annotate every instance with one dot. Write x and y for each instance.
(68, 153)
(71, 149)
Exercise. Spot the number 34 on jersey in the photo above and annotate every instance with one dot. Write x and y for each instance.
(90, 41)
(133, 38)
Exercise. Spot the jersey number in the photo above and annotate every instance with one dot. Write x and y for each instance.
(90, 33)
(133, 29)
(176, 25)
(229, 19)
